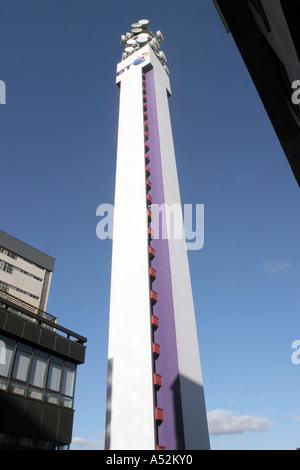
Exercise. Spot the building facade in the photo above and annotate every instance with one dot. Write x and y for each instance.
(155, 397)
(25, 272)
(38, 357)
(266, 33)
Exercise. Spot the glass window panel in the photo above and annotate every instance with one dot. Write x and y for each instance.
(38, 371)
(3, 383)
(21, 366)
(17, 388)
(52, 398)
(7, 439)
(6, 354)
(63, 447)
(36, 393)
(26, 442)
(68, 381)
(46, 445)
(54, 377)
(2, 352)
(66, 401)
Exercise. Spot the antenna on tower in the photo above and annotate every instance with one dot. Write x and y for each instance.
(159, 36)
(154, 44)
(141, 35)
(162, 56)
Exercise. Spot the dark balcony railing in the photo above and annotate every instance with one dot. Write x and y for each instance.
(30, 313)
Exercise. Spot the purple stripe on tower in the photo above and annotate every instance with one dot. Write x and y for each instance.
(170, 432)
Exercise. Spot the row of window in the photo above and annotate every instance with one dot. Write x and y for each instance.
(8, 287)
(8, 441)
(8, 253)
(13, 255)
(29, 372)
(9, 268)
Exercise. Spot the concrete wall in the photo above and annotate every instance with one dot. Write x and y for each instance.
(130, 408)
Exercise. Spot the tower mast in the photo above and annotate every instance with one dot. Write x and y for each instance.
(155, 397)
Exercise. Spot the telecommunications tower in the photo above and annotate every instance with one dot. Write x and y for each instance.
(155, 397)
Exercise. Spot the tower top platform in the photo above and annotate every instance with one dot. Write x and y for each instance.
(139, 36)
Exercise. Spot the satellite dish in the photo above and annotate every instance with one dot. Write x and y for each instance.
(144, 23)
(129, 49)
(159, 36)
(142, 38)
(124, 56)
(135, 25)
(131, 42)
(137, 30)
(123, 40)
(128, 35)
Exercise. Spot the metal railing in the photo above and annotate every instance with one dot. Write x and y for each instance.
(16, 306)
(26, 306)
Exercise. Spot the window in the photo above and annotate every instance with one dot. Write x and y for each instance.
(34, 374)
(6, 354)
(67, 388)
(20, 373)
(6, 267)
(8, 253)
(21, 366)
(38, 371)
(37, 377)
(68, 381)
(10, 269)
(54, 377)
(4, 287)
(53, 383)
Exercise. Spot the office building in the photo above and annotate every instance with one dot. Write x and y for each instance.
(24, 271)
(38, 356)
(155, 397)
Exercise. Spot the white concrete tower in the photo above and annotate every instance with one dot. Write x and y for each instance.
(155, 397)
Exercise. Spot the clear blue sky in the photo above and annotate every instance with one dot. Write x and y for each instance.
(58, 136)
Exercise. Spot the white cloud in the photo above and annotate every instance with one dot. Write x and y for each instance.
(230, 422)
(87, 443)
(274, 266)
